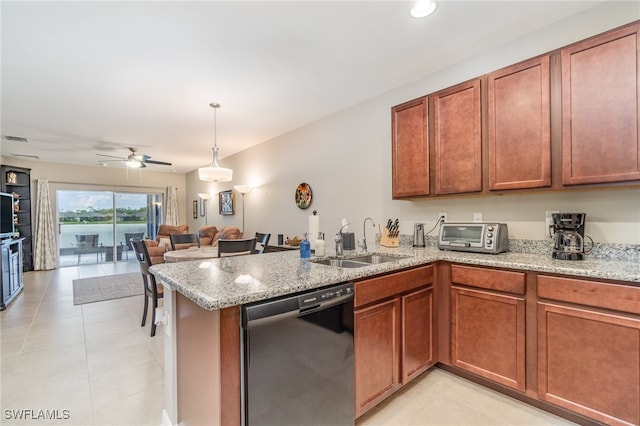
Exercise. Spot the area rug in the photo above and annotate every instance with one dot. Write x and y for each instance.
(97, 289)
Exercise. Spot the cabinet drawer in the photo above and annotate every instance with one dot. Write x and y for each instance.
(489, 279)
(590, 293)
(390, 285)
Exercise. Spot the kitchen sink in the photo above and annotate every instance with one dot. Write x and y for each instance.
(341, 263)
(375, 258)
(358, 261)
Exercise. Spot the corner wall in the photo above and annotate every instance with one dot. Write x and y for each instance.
(346, 158)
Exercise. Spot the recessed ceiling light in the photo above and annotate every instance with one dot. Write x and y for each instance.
(423, 8)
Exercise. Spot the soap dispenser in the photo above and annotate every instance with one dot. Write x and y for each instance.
(320, 247)
(305, 248)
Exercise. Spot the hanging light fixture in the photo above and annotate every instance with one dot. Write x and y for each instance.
(215, 173)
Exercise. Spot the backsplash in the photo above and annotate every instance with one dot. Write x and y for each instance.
(605, 251)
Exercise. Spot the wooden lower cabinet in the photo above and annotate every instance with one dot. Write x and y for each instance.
(393, 333)
(589, 357)
(377, 353)
(417, 333)
(488, 335)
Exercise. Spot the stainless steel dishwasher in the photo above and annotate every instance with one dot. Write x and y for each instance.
(297, 355)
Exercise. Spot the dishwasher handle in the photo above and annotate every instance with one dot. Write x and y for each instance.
(326, 304)
(295, 306)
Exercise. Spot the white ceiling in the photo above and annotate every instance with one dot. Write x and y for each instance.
(87, 78)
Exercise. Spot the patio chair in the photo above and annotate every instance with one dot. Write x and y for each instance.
(151, 289)
(128, 236)
(87, 243)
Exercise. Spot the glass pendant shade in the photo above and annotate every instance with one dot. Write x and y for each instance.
(215, 173)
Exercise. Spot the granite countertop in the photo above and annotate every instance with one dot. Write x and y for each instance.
(224, 282)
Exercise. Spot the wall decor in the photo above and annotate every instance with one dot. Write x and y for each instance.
(226, 202)
(203, 207)
(195, 209)
(303, 195)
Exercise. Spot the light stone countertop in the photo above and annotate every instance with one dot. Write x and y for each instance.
(224, 282)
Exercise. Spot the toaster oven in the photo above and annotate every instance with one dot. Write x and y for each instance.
(475, 237)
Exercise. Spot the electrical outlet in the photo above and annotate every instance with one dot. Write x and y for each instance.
(548, 222)
(477, 217)
(444, 215)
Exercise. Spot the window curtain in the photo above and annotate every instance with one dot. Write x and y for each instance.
(45, 254)
(171, 217)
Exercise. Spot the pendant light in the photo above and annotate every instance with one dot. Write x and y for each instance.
(215, 173)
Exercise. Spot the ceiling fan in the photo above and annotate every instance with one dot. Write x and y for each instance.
(134, 160)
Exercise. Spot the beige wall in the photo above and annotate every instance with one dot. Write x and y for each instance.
(346, 160)
(69, 176)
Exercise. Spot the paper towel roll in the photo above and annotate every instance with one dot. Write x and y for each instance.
(314, 228)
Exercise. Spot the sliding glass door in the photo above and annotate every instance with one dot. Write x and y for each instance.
(95, 226)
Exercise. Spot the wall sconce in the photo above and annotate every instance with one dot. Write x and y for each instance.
(203, 205)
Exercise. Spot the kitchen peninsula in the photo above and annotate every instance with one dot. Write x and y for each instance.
(202, 299)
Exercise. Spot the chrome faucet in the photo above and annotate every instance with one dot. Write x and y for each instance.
(364, 232)
(339, 245)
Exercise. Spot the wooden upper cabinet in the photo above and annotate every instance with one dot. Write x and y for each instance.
(600, 109)
(519, 131)
(458, 144)
(410, 149)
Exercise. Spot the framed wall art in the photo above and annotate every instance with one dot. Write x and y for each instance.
(226, 202)
(195, 209)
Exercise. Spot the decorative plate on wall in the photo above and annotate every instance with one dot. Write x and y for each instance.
(303, 195)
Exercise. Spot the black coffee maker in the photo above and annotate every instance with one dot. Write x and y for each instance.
(568, 239)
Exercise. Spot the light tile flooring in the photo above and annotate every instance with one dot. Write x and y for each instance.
(95, 365)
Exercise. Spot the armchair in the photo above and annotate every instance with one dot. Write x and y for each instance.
(162, 243)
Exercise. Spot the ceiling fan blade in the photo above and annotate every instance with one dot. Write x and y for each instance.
(110, 161)
(163, 163)
(111, 156)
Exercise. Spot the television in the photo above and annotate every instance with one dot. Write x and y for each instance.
(6, 215)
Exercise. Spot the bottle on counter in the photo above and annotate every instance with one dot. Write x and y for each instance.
(305, 248)
(320, 247)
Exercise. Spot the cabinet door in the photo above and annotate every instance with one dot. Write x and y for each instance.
(600, 109)
(519, 126)
(589, 362)
(458, 149)
(417, 333)
(410, 149)
(488, 335)
(377, 352)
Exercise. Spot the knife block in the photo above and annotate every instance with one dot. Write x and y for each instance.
(386, 240)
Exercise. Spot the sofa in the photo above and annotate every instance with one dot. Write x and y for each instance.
(208, 235)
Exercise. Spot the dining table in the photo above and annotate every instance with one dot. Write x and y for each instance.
(208, 252)
(191, 253)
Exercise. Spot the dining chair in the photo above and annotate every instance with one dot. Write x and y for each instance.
(261, 242)
(185, 241)
(87, 243)
(128, 236)
(236, 247)
(151, 289)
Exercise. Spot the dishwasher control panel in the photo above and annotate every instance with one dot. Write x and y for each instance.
(321, 296)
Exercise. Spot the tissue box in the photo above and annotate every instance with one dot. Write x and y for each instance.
(349, 240)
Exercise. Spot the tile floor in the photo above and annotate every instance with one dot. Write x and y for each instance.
(94, 365)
